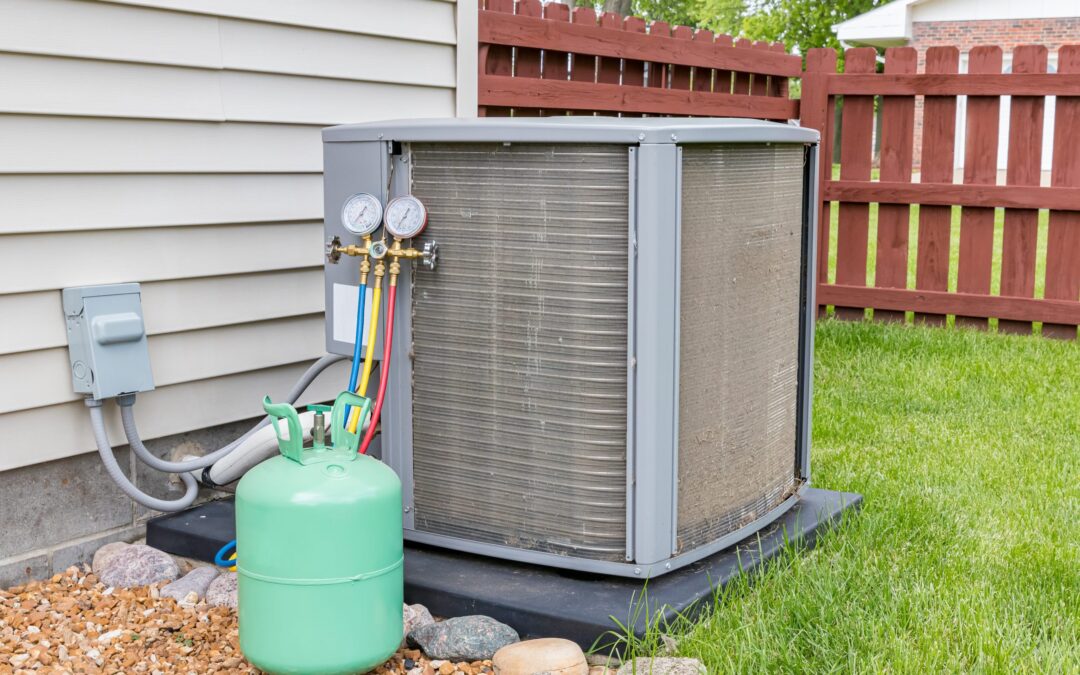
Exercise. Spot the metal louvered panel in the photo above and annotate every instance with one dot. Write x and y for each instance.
(520, 349)
(740, 280)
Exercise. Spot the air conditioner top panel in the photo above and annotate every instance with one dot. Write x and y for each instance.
(629, 130)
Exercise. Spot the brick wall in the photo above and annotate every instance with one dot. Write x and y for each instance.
(1007, 34)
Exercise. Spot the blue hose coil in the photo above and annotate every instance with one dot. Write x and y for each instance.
(221, 558)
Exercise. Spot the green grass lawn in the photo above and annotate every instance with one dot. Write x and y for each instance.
(966, 555)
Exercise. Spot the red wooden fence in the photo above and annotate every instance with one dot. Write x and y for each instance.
(936, 193)
(540, 59)
(620, 65)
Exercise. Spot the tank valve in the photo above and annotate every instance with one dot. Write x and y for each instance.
(318, 429)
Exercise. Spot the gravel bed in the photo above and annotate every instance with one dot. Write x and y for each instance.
(73, 623)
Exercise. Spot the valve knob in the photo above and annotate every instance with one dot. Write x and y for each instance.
(430, 255)
(333, 255)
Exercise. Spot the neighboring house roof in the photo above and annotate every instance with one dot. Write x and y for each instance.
(890, 24)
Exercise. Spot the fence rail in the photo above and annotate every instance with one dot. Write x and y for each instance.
(538, 59)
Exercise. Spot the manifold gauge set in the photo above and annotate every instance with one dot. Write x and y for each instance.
(405, 217)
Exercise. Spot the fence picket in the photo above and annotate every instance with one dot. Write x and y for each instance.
(897, 133)
(703, 77)
(1023, 168)
(722, 79)
(634, 71)
(609, 69)
(815, 113)
(742, 80)
(935, 222)
(583, 66)
(778, 84)
(1063, 236)
(556, 63)
(681, 75)
(526, 60)
(497, 59)
(980, 168)
(759, 83)
(658, 72)
(856, 151)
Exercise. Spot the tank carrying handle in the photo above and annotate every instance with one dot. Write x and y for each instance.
(292, 445)
(340, 436)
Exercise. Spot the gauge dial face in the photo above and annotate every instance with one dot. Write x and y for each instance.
(361, 213)
(405, 217)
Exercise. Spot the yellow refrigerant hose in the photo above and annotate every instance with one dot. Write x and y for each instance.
(369, 358)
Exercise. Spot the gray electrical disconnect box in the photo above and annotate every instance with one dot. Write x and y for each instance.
(107, 340)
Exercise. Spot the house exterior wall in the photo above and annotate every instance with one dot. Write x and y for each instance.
(1005, 33)
(177, 143)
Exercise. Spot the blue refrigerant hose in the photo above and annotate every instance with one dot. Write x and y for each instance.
(221, 559)
(358, 344)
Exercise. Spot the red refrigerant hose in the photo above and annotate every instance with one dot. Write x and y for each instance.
(384, 368)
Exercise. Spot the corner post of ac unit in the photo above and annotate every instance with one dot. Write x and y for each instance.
(811, 209)
(655, 461)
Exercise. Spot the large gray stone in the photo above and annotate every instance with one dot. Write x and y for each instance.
(222, 591)
(104, 555)
(463, 638)
(55, 502)
(663, 665)
(196, 581)
(139, 565)
(19, 571)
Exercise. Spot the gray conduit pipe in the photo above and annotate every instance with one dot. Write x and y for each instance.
(108, 459)
(127, 415)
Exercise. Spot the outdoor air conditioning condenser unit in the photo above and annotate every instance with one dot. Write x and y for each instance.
(610, 369)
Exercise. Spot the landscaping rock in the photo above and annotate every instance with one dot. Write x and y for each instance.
(546, 656)
(196, 581)
(464, 638)
(222, 591)
(138, 565)
(416, 616)
(105, 554)
(663, 665)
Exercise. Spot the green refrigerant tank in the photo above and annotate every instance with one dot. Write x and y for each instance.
(319, 543)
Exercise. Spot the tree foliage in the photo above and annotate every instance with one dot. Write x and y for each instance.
(799, 24)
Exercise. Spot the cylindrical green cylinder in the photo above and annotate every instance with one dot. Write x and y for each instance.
(320, 563)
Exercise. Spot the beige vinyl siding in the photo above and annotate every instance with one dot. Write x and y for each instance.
(177, 143)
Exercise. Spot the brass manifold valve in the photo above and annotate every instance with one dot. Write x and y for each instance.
(428, 256)
(335, 250)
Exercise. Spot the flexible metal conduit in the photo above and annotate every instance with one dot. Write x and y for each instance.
(127, 416)
(97, 421)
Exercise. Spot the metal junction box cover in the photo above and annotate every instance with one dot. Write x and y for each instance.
(609, 371)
